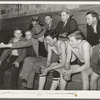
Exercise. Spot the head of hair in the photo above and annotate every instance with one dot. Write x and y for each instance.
(78, 34)
(52, 34)
(28, 31)
(48, 15)
(94, 14)
(19, 30)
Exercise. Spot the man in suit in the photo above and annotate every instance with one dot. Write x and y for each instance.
(50, 23)
(66, 25)
(93, 27)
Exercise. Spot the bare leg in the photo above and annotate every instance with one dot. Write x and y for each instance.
(42, 80)
(85, 80)
(94, 81)
(63, 83)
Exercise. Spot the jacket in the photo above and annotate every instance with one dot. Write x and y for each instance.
(93, 38)
(7, 52)
(32, 42)
(70, 26)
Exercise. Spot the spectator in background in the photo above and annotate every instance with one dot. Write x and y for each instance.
(50, 23)
(11, 58)
(66, 25)
(93, 27)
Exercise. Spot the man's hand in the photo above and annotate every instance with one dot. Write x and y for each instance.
(63, 34)
(16, 64)
(2, 45)
(45, 71)
(66, 75)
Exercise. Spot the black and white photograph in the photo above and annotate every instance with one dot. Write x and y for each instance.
(51, 48)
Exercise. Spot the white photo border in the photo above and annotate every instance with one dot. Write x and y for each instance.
(43, 94)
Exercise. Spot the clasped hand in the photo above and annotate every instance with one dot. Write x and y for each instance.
(44, 71)
(2, 45)
(66, 75)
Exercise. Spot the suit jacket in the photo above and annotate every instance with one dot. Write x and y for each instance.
(70, 26)
(93, 38)
(52, 27)
(8, 52)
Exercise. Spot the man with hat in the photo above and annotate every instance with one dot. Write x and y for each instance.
(66, 25)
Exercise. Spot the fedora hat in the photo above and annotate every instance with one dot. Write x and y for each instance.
(67, 11)
(38, 31)
(35, 18)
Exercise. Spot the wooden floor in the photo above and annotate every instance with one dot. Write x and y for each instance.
(75, 84)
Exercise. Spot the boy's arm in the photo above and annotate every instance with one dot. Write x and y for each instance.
(5, 53)
(63, 57)
(17, 44)
(86, 52)
(49, 56)
(21, 56)
(69, 54)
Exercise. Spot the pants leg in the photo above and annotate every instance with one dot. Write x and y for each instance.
(27, 68)
(4, 66)
(14, 77)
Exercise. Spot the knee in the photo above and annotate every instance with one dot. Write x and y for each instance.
(27, 59)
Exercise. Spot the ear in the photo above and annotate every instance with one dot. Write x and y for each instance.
(68, 15)
(55, 39)
(94, 18)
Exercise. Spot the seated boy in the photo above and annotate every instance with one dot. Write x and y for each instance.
(11, 58)
(88, 58)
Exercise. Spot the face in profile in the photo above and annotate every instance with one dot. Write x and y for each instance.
(64, 16)
(17, 34)
(28, 35)
(90, 19)
(50, 41)
(48, 20)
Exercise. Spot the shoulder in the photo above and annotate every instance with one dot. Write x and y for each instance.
(85, 44)
(22, 39)
(71, 20)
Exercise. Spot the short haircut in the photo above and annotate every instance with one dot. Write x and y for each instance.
(52, 34)
(78, 34)
(28, 31)
(48, 15)
(94, 14)
(16, 29)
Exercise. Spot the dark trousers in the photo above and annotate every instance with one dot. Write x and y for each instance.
(14, 72)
